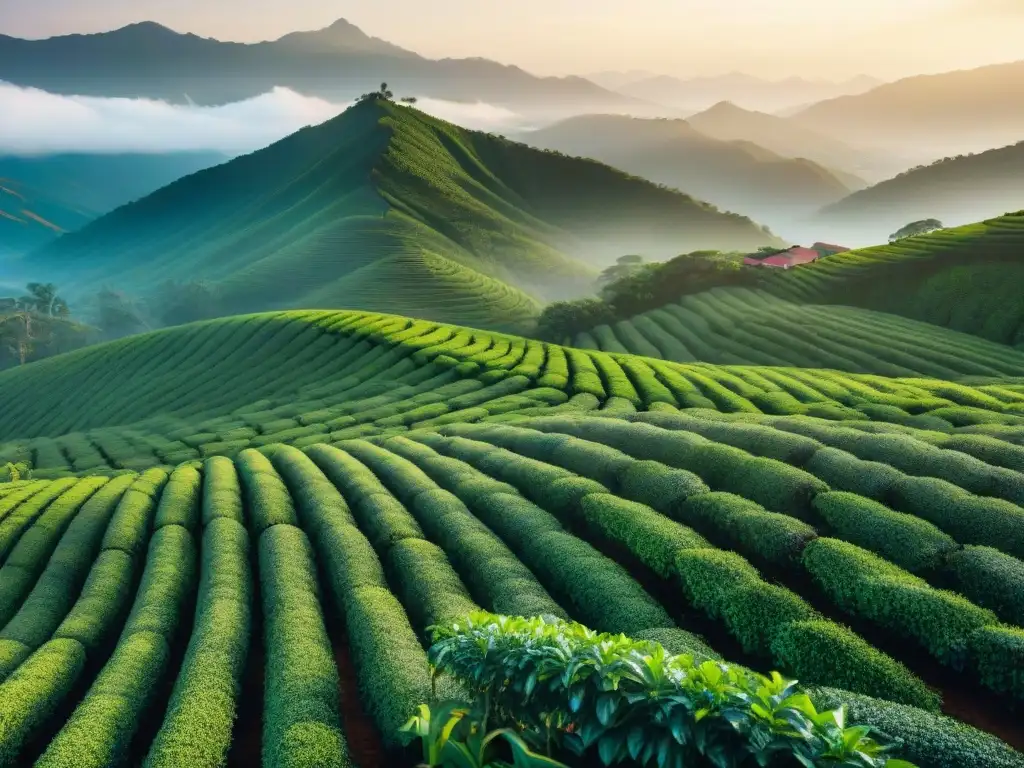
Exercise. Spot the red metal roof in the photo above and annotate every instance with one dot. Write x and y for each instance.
(783, 260)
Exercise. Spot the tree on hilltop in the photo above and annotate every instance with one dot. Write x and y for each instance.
(915, 228)
(381, 94)
(42, 299)
(386, 94)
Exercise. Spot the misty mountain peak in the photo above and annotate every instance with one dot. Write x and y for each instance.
(342, 35)
(147, 29)
(725, 109)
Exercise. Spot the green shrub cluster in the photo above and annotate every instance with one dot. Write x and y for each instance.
(200, 716)
(100, 730)
(967, 518)
(387, 655)
(907, 541)
(745, 526)
(868, 586)
(928, 739)
(773, 621)
(989, 578)
(630, 702)
(21, 517)
(30, 556)
(302, 711)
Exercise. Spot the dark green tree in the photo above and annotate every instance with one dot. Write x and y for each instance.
(562, 320)
(117, 315)
(915, 228)
(180, 303)
(624, 266)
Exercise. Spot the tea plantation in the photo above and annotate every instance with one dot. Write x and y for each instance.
(754, 327)
(237, 533)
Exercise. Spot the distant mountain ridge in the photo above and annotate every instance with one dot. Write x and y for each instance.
(792, 137)
(956, 190)
(736, 175)
(339, 63)
(42, 197)
(930, 116)
(381, 195)
(742, 89)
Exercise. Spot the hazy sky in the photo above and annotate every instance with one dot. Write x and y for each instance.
(772, 38)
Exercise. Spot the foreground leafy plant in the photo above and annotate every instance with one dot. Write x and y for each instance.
(568, 690)
(453, 736)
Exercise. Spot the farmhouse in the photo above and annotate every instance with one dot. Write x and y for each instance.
(791, 257)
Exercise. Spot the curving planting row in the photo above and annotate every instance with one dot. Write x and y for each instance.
(315, 377)
(140, 615)
(742, 326)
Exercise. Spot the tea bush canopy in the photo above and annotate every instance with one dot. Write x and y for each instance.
(287, 502)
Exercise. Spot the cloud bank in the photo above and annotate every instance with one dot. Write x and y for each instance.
(37, 122)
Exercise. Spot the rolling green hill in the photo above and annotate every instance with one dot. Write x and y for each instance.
(288, 226)
(863, 534)
(43, 197)
(966, 278)
(739, 176)
(955, 190)
(753, 327)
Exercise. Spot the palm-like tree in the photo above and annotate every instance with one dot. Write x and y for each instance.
(17, 333)
(42, 299)
(385, 94)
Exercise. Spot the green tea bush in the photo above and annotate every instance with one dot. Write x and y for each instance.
(658, 485)
(132, 522)
(390, 663)
(302, 710)
(998, 654)
(726, 587)
(652, 538)
(30, 557)
(989, 578)
(929, 739)
(104, 601)
(903, 539)
(868, 586)
(32, 694)
(967, 518)
(844, 471)
(25, 514)
(737, 523)
(819, 652)
(266, 498)
(201, 713)
(180, 501)
(639, 705)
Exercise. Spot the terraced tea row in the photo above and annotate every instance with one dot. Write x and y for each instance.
(965, 278)
(135, 610)
(216, 388)
(754, 327)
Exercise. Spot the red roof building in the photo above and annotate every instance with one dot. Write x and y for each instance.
(783, 260)
(801, 255)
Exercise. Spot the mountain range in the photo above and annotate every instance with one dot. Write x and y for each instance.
(929, 116)
(386, 207)
(42, 197)
(955, 190)
(741, 89)
(737, 175)
(339, 63)
(793, 137)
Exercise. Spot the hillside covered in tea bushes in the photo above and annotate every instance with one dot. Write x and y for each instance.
(223, 514)
(379, 196)
(965, 278)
